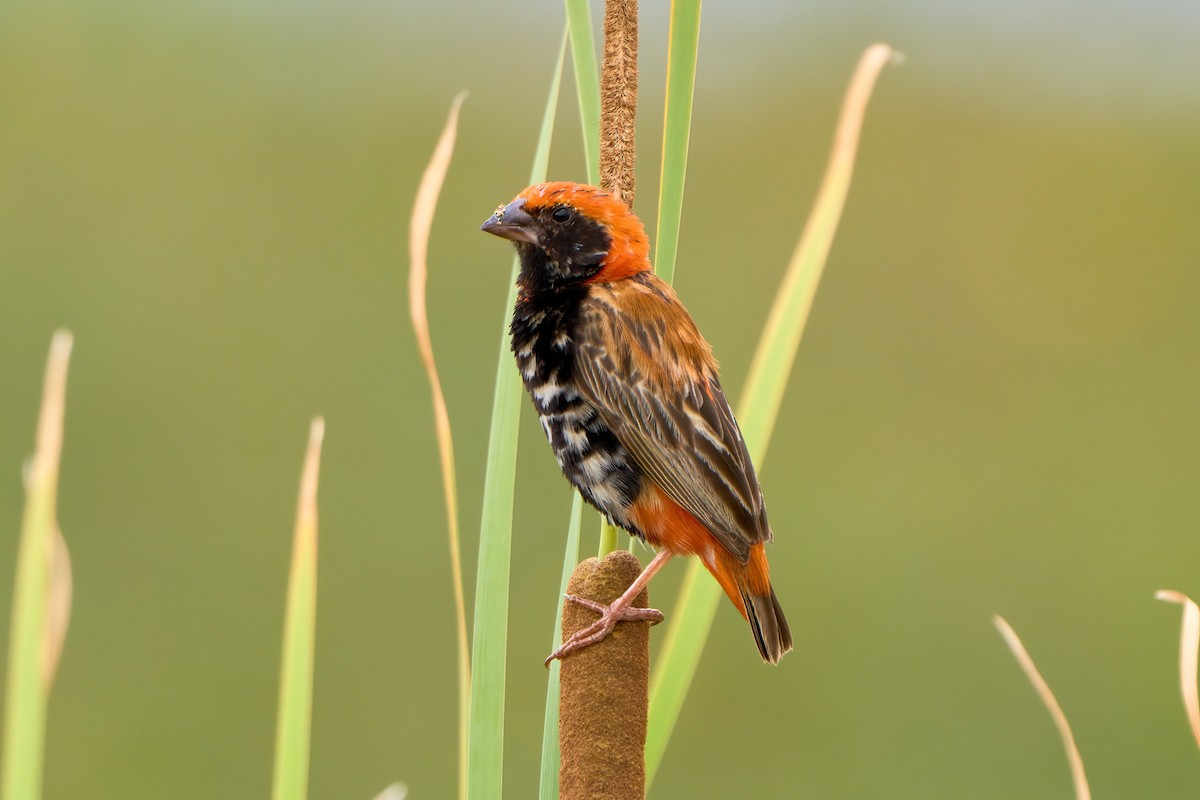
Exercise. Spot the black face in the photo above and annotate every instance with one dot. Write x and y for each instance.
(574, 246)
(557, 245)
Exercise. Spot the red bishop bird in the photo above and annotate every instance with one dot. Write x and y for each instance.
(628, 395)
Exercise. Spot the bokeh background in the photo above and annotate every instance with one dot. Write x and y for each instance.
(994, 408)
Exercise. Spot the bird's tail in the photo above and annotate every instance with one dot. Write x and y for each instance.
(767, 623)
(749, 587)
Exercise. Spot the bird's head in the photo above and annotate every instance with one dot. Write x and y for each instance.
(568, 233)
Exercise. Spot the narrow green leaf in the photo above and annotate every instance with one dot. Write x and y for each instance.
(548, 784)
(687, 631)
(608, 538)
(780, 340)
(294, 727)
(683, 44)
(761, 399)
(28, 687)
(587, 82)
(485, 751)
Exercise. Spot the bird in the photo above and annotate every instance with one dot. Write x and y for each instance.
(627, 392)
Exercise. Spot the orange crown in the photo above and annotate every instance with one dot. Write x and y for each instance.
(629, 252)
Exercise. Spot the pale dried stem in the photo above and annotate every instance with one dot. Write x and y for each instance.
(397, 791)
(420, 227)
(50, 420)
(306, 507)
(58, 607)
(1082, 792)
(43, 471)
(1189, 656)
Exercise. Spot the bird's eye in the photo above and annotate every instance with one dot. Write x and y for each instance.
(561, 214)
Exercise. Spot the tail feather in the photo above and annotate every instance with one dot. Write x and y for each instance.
(767, 623)
(749, 587)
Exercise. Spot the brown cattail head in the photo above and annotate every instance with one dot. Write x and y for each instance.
(618, 98)
(604, 691)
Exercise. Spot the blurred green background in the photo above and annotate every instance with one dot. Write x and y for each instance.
(994, 408)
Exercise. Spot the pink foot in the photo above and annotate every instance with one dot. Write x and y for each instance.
(601, 628)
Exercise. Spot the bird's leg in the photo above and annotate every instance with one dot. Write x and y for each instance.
(620, 610)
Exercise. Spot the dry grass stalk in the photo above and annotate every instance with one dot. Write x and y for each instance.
(58, 608)
(418, 249)
(1082, 792)
(43, 470)
(1189, 654)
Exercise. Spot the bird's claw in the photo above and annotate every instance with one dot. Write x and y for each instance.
(599, 630)
(624, 614)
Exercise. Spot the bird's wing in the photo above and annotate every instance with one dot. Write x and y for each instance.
(644, 366)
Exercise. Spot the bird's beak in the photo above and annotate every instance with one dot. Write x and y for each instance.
(512, 222)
